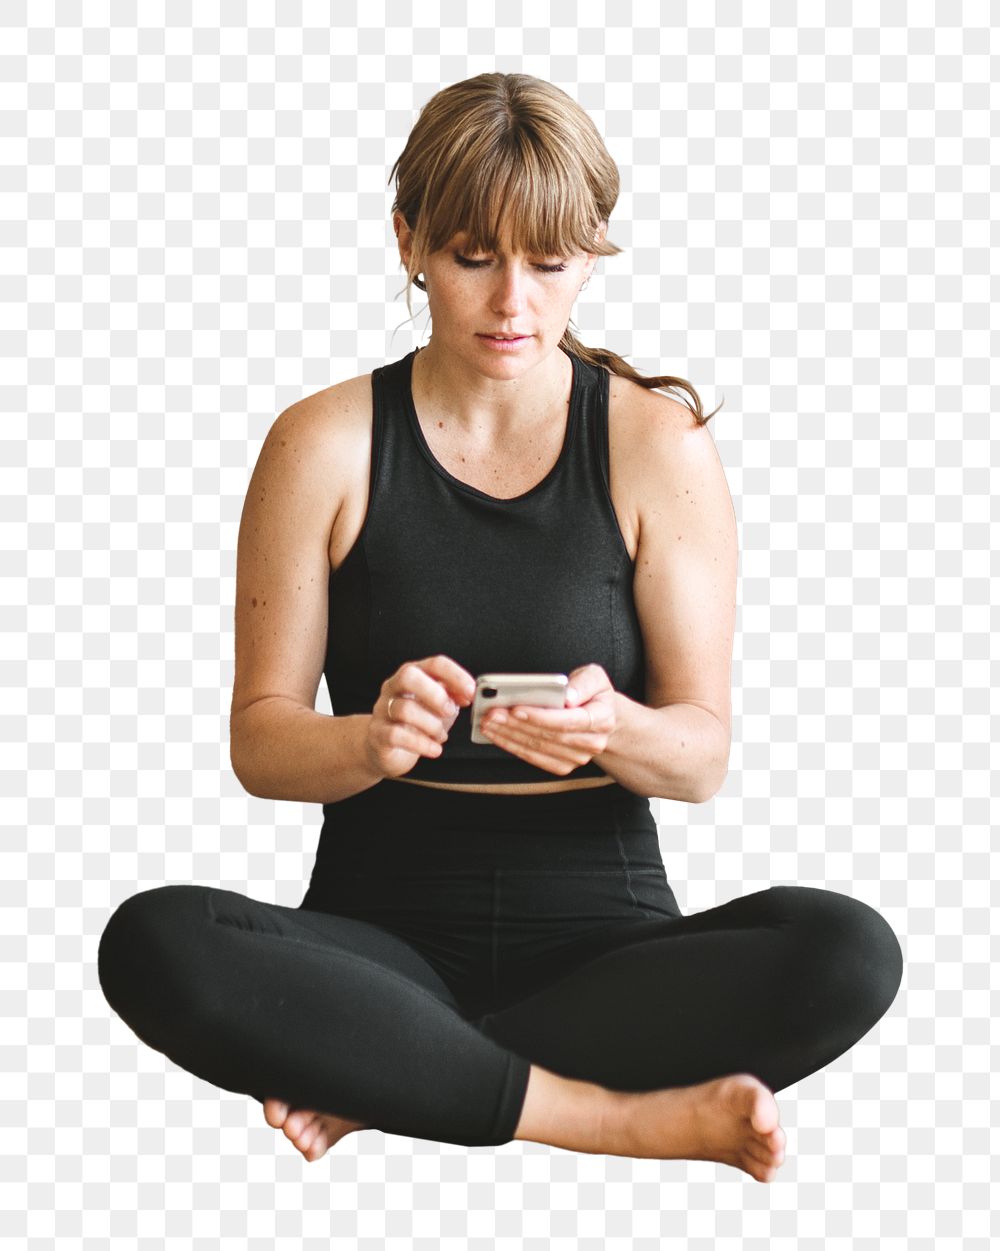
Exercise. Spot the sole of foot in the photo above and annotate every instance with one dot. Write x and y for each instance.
(312, 1133)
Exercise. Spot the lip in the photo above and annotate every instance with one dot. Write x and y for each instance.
(504, 345)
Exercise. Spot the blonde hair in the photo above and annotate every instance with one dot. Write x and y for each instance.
(511, 148)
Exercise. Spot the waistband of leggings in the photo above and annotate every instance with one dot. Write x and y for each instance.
(393, 826)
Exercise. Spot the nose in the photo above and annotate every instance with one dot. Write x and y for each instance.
(509, 294)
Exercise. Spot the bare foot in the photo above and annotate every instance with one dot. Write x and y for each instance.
(313, 1133)
(733, 1120)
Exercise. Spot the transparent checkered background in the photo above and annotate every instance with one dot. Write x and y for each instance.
(195, 233)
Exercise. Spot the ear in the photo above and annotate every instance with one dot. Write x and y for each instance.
(404, 235)
(599, 235)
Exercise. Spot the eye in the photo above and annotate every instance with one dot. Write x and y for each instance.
(467, 264)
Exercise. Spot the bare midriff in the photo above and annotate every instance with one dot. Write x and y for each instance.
(512, 788)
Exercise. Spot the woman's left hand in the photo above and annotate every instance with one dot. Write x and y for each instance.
(559, 740)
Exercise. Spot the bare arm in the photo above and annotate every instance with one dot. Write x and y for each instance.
(677, 752)
(292, 752)
(677, 744)
(280, 747)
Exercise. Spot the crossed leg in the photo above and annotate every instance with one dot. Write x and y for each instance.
(777, 983)
(310, 1011)
(320, 1011)
(707, 1015)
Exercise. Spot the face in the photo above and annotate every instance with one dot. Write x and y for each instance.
(475, 295)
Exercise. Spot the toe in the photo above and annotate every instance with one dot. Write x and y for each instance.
(296, 1122)
(761, 1170)
(318, 1147)
(765, 1159)
(275, 1112)
(309, 1134)
(764, 1111)
(761, 1158)
(774, 1141)
(768, 1147)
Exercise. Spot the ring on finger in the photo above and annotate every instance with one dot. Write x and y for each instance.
(392, 698)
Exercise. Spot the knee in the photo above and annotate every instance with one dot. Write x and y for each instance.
(842, 948)
(136, 943)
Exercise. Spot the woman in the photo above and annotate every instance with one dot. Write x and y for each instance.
(489, 948)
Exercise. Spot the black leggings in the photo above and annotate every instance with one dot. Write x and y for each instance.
(449, 940)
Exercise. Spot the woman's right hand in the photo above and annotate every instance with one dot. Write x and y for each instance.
(426, 696)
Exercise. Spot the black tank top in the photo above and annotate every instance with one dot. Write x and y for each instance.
(538, 583)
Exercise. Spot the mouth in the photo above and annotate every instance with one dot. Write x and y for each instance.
(503, 341)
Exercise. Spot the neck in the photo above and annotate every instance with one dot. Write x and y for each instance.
(446, 389)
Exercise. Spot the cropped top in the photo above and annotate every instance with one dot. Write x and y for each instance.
(538, 583)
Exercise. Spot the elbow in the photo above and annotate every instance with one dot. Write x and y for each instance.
(249, 789)
(702, 794)
(241, 774)
(242, 780)
(709, 781)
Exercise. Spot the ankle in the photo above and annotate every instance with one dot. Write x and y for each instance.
(575, 1115)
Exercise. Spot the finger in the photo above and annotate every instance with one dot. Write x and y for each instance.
(409, 738)
(406, 711)
(588, 680)
(563, 746)
(551, 764)
(458, 682)
(534, 750)
(541, 739)
(433, 705)
(415, 730)
(413, 679)
(557, 720)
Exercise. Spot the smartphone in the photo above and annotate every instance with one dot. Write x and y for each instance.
(502, 690)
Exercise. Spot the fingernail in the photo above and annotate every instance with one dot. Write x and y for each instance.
(572, 692)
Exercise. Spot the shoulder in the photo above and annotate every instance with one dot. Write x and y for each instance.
(328, 433)
(650, 411)
(659, 436)
(336, 412)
